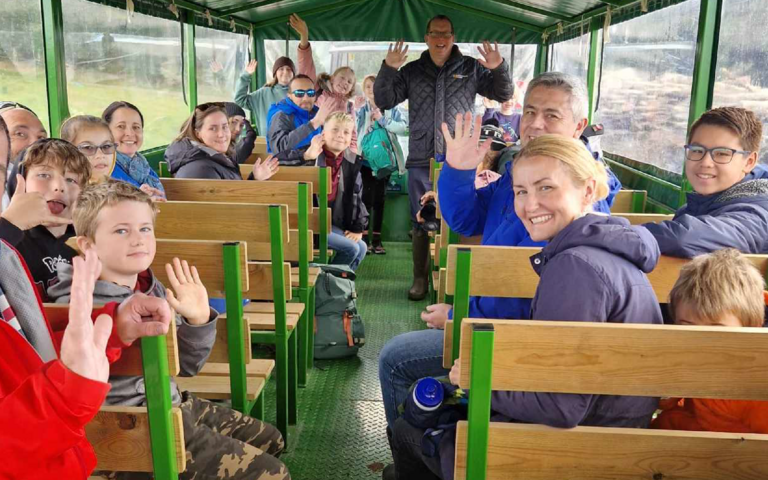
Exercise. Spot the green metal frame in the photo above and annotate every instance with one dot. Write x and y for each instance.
(461, 297)
(55, 66)
(154, 355)
(261, 68)
(235, 328)
(306, 326)
(322, 201)
(594, 56)
(164, 170)
(190, 59)
(479, 411)
(542, 58)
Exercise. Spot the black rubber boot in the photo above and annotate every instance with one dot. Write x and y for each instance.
(420, 285)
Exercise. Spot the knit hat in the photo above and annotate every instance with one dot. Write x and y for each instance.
(282, 62)
(232, 109)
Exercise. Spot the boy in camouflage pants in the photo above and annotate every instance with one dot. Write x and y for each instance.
(117, 221)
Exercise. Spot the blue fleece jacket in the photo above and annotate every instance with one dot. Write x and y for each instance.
(734, 218)
(300, 117)
(490, 211)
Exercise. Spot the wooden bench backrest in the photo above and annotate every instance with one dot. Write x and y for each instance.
(621, 359)
(259, 150)
(206, 255)
(629, 201)
(245, 222)
(641, 218)
(120, 435)
(293, 174)
(243, 191)
(518, 279)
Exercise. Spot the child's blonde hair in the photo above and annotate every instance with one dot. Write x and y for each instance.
(574, 156)
(72, 126)
(108, 194)
(340, 117)
(57, 153)
(719, 283)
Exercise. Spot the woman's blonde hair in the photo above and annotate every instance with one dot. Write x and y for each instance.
(341, 70)
(719, 283)
(574, 156)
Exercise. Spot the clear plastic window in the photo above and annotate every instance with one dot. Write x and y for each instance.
(221, 58)
(742, 78)
(110, 58)
(22, 57)
(571, 56)
(646, 85)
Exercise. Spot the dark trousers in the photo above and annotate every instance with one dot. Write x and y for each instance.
(411, 464)
(374, 196)
(418, 185)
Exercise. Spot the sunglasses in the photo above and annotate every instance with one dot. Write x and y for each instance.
(205, 106)
(90, 150)
(5, 106)
(300, 93)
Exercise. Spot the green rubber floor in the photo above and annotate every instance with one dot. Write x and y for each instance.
(341, 428)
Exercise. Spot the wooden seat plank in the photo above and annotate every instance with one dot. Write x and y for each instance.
(266, 321)
(217, 387)
(269, 307)
(256, 368)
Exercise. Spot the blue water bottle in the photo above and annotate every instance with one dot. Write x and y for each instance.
(428, 394)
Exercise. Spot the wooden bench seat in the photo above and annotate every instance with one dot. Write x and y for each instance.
(314, 272)
(266, 321)
(269, 307)
(256, 368)
(215, 387)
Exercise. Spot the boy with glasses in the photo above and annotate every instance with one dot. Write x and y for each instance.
(729, 205)
(295, 120)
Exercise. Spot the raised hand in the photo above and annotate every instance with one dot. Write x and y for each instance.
(264, 170)
(156, 194)
(324, 108)
(251, 67)
(187, 294)
(397, 55)
(491, 56)
(315, 148)
(462, 151)
(455, 374)
(301, 28)
(142, 316)
(28, 210)
(375, 114)
(83, 348)
(216, 67)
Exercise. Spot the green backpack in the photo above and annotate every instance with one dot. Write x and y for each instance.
(377, 150)
(339, 330)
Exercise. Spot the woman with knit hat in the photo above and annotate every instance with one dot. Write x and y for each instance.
(258, 102)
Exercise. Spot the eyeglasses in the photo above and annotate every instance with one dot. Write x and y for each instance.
(5, 106)
(720, 155)
(440, 34)
(90, 150)
(300, 93)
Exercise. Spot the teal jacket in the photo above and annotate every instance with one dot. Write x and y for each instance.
(258, 102)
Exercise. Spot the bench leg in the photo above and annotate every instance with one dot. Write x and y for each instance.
(282, 368)
(303, 338)
(257, 410)
(292, 379)
(310, 307)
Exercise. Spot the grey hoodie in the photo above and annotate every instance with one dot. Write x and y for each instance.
(195, 342)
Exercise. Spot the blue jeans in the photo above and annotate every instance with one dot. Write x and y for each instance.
(405, 359)
(347, 252)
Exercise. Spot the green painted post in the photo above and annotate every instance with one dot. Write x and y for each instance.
(542, 58)
(165, 171)
(479, 410)
(461, 296)
(281, 320)
(154, 355)
(235, 330)
(323, 206)
(638, 201)
(311, 327)
(190, 59)
(261, 69)
(254, 49)
(305, 333)
(55, 67)
(705, 63)
(594, 58)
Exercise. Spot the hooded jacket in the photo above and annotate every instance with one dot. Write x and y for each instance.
(258, 102)
(735, 218)
(190, 159)
(436, 94)
(44, 406)
(288, 127)
(594, 270)
(136, 170)
(490, 211)
(195, 341)
(348, 211)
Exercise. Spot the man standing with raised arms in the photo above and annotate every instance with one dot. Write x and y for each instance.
(439, 85)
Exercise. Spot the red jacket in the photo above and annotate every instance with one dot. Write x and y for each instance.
(44, 408)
